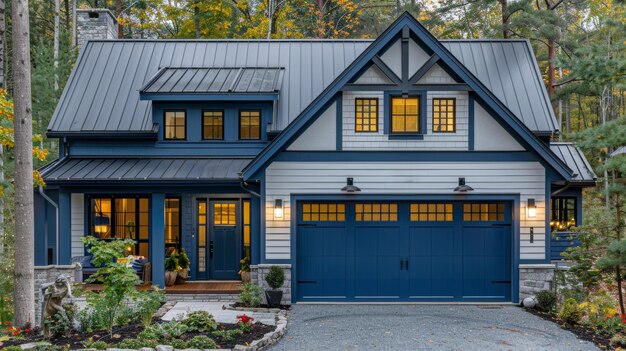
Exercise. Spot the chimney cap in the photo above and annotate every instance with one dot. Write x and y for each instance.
(98, 10)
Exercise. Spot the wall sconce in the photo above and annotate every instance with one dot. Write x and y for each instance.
(278, 208)
(350, 187)
(101, 224)
(463, 188)
(531, 209)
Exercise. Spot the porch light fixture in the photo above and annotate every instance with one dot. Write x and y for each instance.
(350, 188)
(101, 224)
(531, 209)
(463, 188)
(278, 208)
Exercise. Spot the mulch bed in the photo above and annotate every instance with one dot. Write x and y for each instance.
(131, 331)
(282, 307)
(582, 332)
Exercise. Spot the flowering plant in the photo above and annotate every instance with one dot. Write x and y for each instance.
(14, 331)
(246, 323)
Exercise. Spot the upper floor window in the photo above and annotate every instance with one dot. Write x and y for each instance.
(250, 125)
(405, 116)
(213, 125)
(175, 125)
(366, 115)
(563, 213)
(444, 115)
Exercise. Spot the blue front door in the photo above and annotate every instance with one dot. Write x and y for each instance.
(403, 251)
(225, 240)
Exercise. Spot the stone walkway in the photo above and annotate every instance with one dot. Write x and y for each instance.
(221, 315)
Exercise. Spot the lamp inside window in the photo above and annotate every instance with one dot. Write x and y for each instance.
(278, 208)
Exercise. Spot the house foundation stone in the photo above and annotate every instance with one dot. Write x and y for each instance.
(534, 278)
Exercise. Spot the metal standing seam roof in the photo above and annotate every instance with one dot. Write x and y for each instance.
(195, 80)
(102, 94)
(142, 169)
(575, 159)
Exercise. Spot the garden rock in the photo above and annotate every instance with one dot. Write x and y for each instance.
(529, 302)
(164, 348)
(32, 345)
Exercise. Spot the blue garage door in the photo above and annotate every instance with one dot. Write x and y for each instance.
(403, 251)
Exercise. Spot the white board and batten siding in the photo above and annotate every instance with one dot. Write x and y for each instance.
(395, 178)
(77, 224)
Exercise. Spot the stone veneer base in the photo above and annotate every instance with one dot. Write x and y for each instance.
(534, 278)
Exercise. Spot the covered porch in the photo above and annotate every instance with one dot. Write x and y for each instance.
(165, 205)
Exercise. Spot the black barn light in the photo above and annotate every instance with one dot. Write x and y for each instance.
(350, 188)
(463, 188)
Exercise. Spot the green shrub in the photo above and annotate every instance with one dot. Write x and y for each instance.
(618, 340)
(12, 348)
(546, 300)
(98, 345)
(178, 344)
(250, 295)
(570, 312)
(136, 343)
(227, 335)
(169, 330)
(183, 259)
(275, 277)
(59, 324)
(148, 303)
(171, 263)
(201, 342)
(200, 321)
(245, 264)
(48, 347)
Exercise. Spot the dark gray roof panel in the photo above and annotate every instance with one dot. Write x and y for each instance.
(193, 80)
(102, 94)
(575, 159)
(136, 169)
(508, 68)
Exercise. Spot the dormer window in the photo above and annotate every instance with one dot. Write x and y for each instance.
(175, 125)
(213, 125)
(405, 116)
(250, 125)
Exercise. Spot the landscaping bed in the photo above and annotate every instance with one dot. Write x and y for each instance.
(602, 340)
(83, 340)
(260, 308)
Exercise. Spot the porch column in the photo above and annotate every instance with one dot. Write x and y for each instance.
(157, 239)
(65, 228)
(255, 230)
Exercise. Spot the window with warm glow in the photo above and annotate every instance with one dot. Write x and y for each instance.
(246, 228)
(213, 125)
(121, 218)
(473, 212)
(444, 115)
(250, 125)
(405, 116)
(563, 213)
(421, 212)
(175, 125)
(365, 115)
(224, 213)
(172, 223)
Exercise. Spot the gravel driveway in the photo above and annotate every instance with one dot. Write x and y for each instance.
(422, 327)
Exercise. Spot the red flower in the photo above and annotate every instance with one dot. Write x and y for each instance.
(7, 323)
(623, 316)
(245, 319)
(27, 330)
(16, 333)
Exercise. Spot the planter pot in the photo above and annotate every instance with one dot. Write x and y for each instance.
(170, 278)
(273, 297)
(182, 276)
(245, 277)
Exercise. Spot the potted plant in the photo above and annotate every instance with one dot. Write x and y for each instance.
(275, 279)
(183, 263)
(171, 270)
(244, 272)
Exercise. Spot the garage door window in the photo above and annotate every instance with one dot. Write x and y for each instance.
(321, 212)
(483, 212)
(422, 212)
(376, 212)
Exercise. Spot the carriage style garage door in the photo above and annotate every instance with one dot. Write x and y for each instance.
(403, 251)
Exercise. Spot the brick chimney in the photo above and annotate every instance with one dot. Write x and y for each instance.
(94, 24)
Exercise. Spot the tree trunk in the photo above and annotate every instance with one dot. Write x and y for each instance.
(551, 73)
(23, 292)
(3, 46)
(506, 33)
(2, 239)
(57, 15)
(196, 19)
(320, 18)
(66, 4)
(73, 31)
(120, 28)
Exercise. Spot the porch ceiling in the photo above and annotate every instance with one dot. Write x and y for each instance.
(143, 169)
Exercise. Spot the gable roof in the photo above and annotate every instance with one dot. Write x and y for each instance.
(102, 94)
(573, 156)
(406, 20)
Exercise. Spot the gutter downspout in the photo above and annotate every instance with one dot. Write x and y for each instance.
(567, 185)
(56, 210)
(242, 183)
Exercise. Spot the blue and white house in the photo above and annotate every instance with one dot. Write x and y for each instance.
(404, 168)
